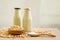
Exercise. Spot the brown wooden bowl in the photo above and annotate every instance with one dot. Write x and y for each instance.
(15, 32)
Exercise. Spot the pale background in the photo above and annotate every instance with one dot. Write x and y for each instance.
(45, 13)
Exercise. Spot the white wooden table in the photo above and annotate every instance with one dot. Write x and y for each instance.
(55, 31)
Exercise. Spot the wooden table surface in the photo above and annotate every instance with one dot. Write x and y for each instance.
(52, 30)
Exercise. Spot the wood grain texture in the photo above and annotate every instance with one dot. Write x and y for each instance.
(55, 31)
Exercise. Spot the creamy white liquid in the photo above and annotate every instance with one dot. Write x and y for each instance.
(27, 21)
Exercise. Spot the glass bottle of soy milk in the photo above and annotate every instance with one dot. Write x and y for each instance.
(17, 19)
(27, 20)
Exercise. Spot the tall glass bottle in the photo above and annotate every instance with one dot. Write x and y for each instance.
(27, 20)
(17, 19)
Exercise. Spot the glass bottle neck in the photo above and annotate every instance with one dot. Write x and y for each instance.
(26, 12)
(16, 12)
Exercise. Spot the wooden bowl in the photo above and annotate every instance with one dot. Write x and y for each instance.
(15, 32)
